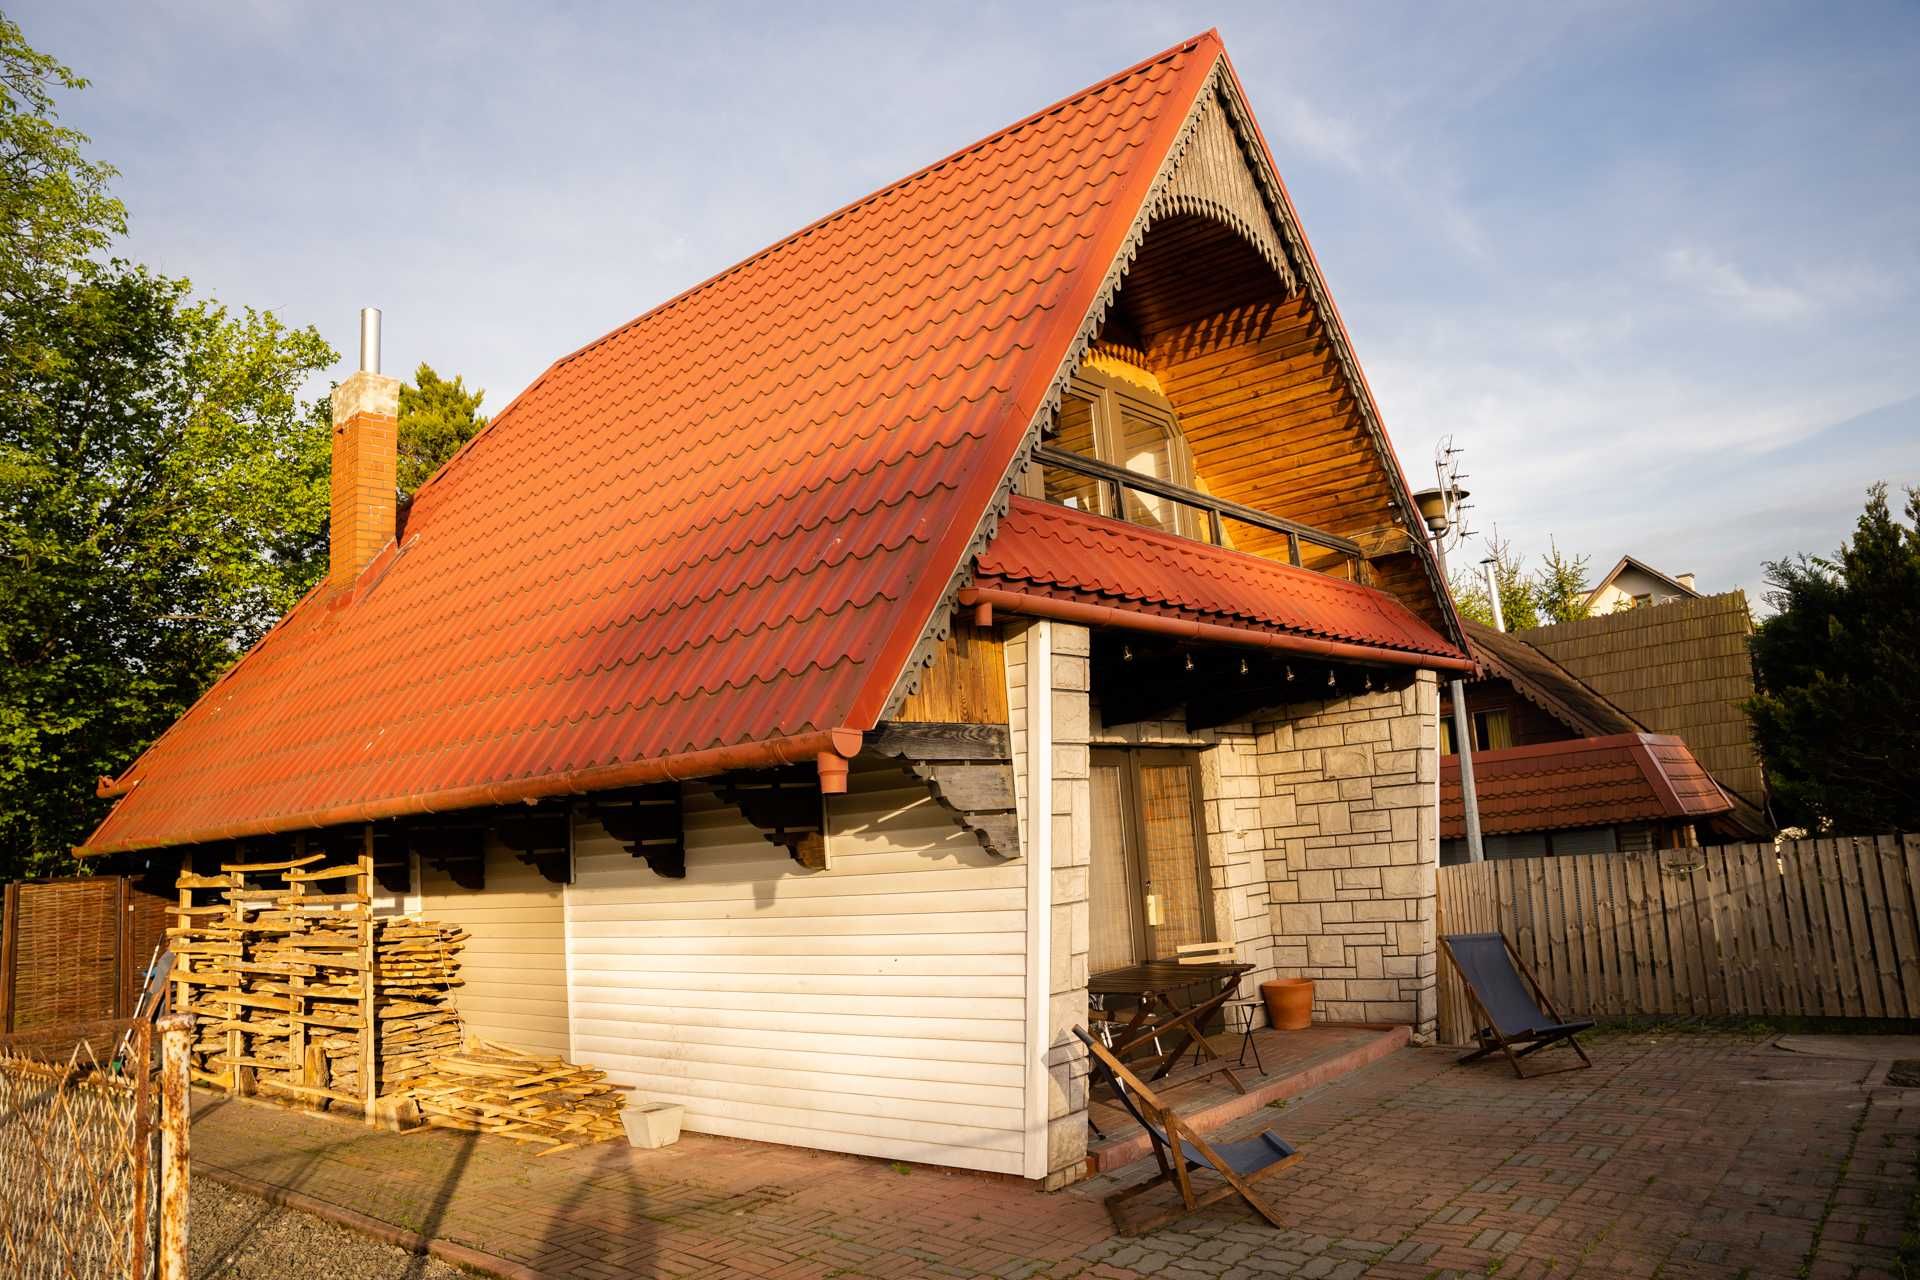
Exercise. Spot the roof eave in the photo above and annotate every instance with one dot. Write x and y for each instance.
(795, 749)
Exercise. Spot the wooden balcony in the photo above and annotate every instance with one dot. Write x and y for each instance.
(1205, 518)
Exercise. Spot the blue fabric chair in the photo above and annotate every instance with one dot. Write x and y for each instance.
(1509, 1005)
(1182, 1152)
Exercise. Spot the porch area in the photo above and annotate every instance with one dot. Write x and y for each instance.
(1678, 1154)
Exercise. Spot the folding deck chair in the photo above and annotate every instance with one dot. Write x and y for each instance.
(1508, 1003)
(1239, 1164)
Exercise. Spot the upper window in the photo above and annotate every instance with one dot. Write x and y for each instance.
(1114, 414)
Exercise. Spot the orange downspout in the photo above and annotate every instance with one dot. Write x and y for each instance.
(1101, 615)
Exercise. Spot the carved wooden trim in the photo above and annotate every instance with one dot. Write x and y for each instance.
(543, 839)
(969, 770)
(650, 823)
(785, 804)
(461, 852)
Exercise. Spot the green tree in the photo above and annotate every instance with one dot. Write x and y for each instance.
(158, 476)
(154, 460)
(437, 416)
(1561, 586)
(1555, 592)
(1837, 712)
(54, 205)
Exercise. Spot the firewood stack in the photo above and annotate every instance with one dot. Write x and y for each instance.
(276, 973)
(272, 963)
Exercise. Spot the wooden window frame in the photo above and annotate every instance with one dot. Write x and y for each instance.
(1110, 397)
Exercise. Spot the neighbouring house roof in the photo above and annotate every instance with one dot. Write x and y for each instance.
(1680, 589)
(1545, 683)
(719, 536)
(1683, 668)
(1583, 782)
(1045, 552)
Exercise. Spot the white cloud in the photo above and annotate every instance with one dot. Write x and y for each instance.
(1715, 276)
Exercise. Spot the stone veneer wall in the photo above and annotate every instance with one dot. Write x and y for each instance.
(1349, 806)
(1322, 848)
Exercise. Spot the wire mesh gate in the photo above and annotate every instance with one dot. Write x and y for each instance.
(93, 1157)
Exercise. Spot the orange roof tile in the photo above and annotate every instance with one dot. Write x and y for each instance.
(1048, 552)
(712, 537)
(1582, 782)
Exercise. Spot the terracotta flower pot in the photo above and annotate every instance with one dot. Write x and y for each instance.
(1289, 1003)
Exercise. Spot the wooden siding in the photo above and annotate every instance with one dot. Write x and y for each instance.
(1681, 668)
(514, 968)
(967, 683)
(875, 1007)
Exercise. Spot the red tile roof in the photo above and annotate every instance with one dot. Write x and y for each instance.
(1044, 552)
(725, 522)
(1583, 782)
(710, 539)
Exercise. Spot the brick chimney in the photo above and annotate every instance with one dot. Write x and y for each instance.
(366, 411)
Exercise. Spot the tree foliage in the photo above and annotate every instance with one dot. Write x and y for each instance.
(160, 479)
(155, 463)
(437, 416)
(54, 206)
(1556, 591)
(1837, 713)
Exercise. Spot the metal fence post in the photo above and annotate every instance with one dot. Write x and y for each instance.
(176, 1116)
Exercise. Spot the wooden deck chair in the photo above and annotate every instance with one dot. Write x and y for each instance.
(1239, 1164)
(1509, 1005)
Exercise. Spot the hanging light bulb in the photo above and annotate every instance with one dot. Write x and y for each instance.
(1126, 653)
(1330, 681)
(1289, 674)
(1189, 662)
(1366, 681)
(1243, 666)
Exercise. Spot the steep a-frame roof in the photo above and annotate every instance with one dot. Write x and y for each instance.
(726, 534)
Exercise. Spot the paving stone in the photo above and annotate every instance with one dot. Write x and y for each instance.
(1663, 1158)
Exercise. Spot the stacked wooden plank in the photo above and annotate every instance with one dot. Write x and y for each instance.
(288, 982)
(490, 1089)
(416, 967)
(273, 959)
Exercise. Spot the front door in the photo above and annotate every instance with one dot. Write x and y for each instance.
(1148, 890)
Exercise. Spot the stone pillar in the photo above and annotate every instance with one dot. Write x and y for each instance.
(1072, 858)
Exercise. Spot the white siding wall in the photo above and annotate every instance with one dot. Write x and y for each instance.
(514, 968)
(875, 1007)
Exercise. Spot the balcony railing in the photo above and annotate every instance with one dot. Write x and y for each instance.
(1303, 545)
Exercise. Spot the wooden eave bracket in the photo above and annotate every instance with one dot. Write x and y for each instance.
(967, 767)
(461, 852)
(785, 804)
(541, 838)
(649, 822)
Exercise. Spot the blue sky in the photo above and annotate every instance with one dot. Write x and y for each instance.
(1657, 268)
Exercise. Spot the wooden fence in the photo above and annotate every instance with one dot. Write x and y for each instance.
(1822, 928)
(76, 950)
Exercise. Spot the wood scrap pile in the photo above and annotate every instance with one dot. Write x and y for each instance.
(490, 1089)
(277, 973)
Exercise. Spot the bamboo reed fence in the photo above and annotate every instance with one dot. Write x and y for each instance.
(1819, 928)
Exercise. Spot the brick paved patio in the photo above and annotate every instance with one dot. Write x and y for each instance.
(1680, 1155)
